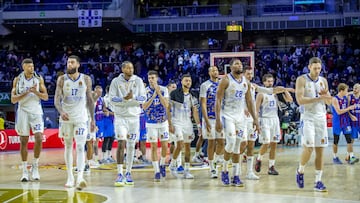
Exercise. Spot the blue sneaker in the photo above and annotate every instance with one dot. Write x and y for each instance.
(237, 182)
(320, 187)
(337, 161)
(128, 179)
(119, 182)
(300, 179)
(180, 170)
(225, 178)
(163, 170)
(157, 177)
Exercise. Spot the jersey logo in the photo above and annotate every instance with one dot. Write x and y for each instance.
(80, 84)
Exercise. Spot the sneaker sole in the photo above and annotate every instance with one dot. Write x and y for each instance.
(120, 184)
(241, 185)
(318, 190)
(129, 183)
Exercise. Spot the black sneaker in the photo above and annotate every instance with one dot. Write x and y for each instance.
(258, 166)
(272, 171)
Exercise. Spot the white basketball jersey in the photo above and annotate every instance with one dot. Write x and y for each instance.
(233, 104)
(74, 99)
(181, 112)
(269, 108)
(312, 89)
(30, 103)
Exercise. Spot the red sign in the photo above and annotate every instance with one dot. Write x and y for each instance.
(10, 140)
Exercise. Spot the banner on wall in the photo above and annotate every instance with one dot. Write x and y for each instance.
(10, 140)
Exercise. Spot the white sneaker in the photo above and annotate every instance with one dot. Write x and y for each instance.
(188, 175)
(81, 184)
(252, 176)
(25, 176)
(69, 183)
(94, 164)
(213, 173)
(197, 159)
(35, 172)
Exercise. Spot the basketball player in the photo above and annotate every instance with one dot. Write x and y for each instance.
(312, 93)
(27, 91)
(267, 107)
(341, 122)
(73, 100)
(355, 116)
(127, 92)
(232, 95)
(183, 105)
(108, 134)
(157, 125)
(216, 141)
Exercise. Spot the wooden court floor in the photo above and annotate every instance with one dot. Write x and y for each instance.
(342, 182)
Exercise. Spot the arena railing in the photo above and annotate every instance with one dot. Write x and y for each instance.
(55, 6)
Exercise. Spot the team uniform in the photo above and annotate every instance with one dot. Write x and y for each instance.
(143, 130)
(232, 114)
(74, 104)
(157, 125)
(181, 118)
(29, 113)
(108, 132)
(341, 123)
(355, 125)
(99, 117)
(269, 120)
(208, 91)
(313, 127)
(127, 115)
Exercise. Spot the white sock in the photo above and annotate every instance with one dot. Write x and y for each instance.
(334, 154)
(24, 165)
(259, 157)
(301, 169)
(196, 154)
(80, 160)
(318, 174)
(187, 166)
(156, 166)
(162, 161)
(250, 162)
(68, 156)
(108, 154)
(216, 157)
(179, 160)
(211, 164)
(36, 161)
(130, 151)
(271, 163)
(225, 165)
(120, 168)
(236, 169)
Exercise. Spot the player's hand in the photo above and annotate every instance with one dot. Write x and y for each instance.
(218, 126)
(171, 129)
(208, 126)
(129, 95)
(256, 126)
(352, 107)
(157, 88)
(33, 88)
(290, 90)
(353, 118)
(93, 127)
(64, 116)
(247, 114)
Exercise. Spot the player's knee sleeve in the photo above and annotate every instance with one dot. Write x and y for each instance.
(230, 144)
(336, 139)
(237, 146)
(348, 138)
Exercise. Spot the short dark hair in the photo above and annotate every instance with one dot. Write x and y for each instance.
(125, 63)
(233, 60)
(247, 67)
(266, 76)
(27, 60)
(314, 60)
(153, 72)
(74, 57)
(187, 75)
